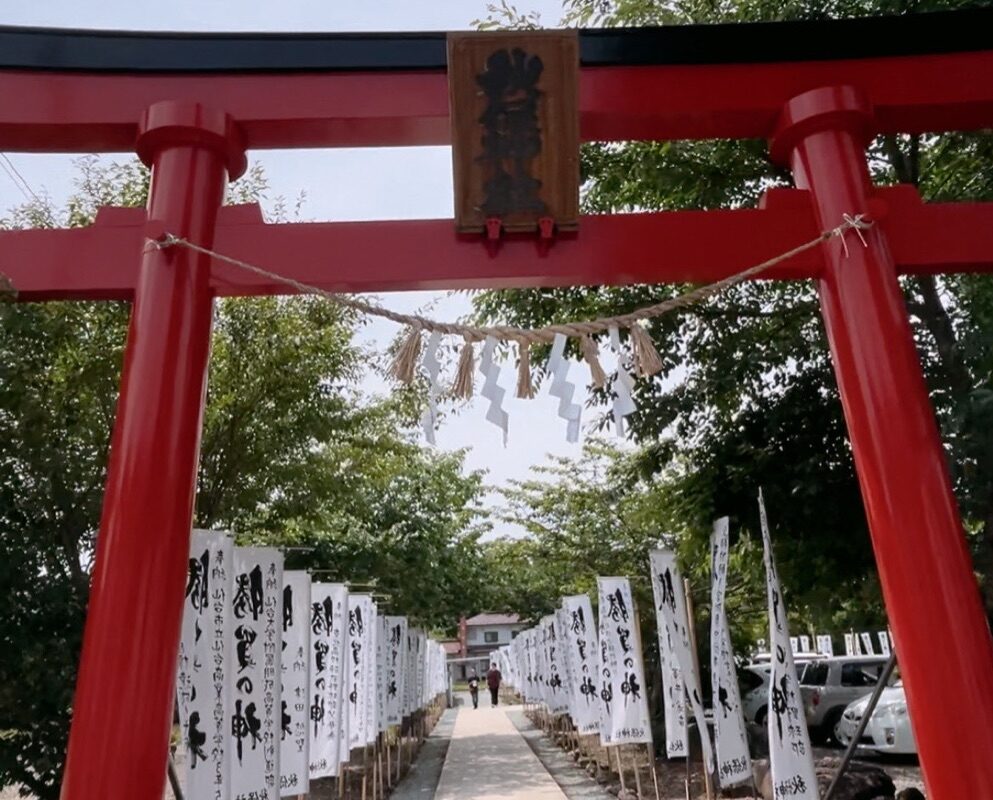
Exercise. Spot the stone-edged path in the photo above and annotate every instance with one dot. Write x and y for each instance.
(488, 759)
(494, 754)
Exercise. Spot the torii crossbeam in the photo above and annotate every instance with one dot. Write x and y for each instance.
(191, 105)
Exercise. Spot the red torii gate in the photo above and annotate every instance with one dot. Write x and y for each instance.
(192, 105)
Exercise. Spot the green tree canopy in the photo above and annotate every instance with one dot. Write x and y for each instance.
(747, 396)
(292, 454)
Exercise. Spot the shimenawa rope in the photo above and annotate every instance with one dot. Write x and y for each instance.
(645, 357)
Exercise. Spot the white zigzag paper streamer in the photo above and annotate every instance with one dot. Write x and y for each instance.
(429, 420)
(623, 384)
(491, 389)
(563, 389)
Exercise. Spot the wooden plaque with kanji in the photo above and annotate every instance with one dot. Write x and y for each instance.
(515, 128)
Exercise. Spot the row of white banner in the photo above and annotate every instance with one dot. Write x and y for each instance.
(856, 644)
(280, 678)
(595, 673)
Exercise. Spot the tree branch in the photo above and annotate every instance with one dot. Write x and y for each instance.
(935, 317)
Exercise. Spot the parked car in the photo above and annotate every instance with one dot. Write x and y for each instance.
(799, 658)
(830, 684)
(889, 729)
(753, 682)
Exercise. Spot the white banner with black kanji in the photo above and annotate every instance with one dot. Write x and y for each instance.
(565, 659)
(254, 735)
(422, 669)
(371, 692)
(395, 668)
(294, 764)
(791, 760)
(583, 650)
(557, 689)
(328, 625)
(622, 669)
(410, 672)
(734, 764)
(205, 665)
(670, 603)
(673, 686)
(382, 655)
(360, 671)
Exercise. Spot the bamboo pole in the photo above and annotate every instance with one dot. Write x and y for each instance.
(690, 620)
(399, 751)
(884, 679)
(177, 791)
(389, 765)
(652, 765)
(688, 778)
(641, 649)
(375, 773)
(365, 763)
(379, 767)
(620, 768)
(637, 774)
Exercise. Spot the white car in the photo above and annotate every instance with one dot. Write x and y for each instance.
(889, 729)
(753, 682)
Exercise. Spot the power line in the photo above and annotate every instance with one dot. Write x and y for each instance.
(19, 181)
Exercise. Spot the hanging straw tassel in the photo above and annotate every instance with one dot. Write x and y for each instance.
(404, 366)
(591, 354)
(646, 358)
(463, 375)
(525, 386)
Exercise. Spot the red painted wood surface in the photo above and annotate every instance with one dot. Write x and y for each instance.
(98, 262)
(123, 706)
(86, 113)
(932, 598)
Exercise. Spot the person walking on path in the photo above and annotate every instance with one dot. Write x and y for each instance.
(474, 690)
(493, 678)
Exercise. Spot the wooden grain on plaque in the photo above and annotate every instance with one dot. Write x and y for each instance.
(556, 164)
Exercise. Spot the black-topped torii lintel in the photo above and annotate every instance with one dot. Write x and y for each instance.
(726, 43)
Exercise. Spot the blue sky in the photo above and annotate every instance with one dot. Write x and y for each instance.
(394, 183)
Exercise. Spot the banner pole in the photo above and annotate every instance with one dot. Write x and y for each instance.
(174, 779)
(653, 766)
(637, 773)
(379, 768)
(691, 627)
(373, 777)
(620, 768)
(688, 777)
(399, 744)
(365, 765)
(389, 764)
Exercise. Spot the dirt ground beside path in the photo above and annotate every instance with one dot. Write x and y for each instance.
(904, 772)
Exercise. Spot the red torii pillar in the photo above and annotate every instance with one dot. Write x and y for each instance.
(123, 707)
(925, 570)
(125, 690)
